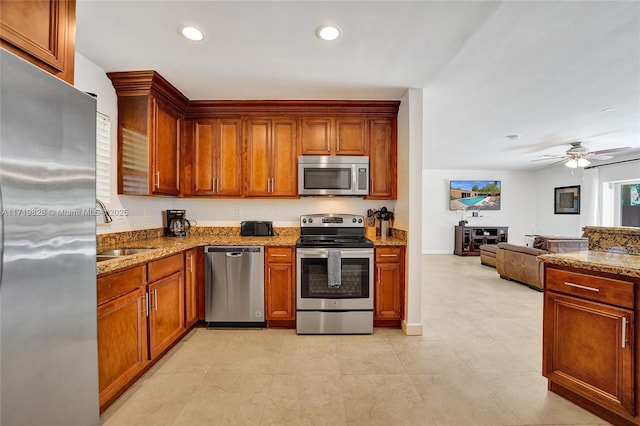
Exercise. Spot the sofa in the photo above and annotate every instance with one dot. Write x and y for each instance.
(519, 263)
(488, 253)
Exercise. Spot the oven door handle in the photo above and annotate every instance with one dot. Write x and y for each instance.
(313, 253)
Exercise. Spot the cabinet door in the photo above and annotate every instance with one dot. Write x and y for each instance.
(166, 312)
(588, 348)
(388, 301)
(258, 133)
(284, 170)
(351, 136)
(203, 163)
(279, 292)
(382, 159)
(166, 148)
(42, 32)
(229, 158)
(217, 157)
(316, 136)
(279, 283)
(191, 287)
(122, 342)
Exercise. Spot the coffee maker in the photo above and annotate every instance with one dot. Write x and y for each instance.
(175, 223)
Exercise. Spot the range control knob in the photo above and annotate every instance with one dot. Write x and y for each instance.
(310, 220)
(360, 220)
(304, 220)
(353, 220)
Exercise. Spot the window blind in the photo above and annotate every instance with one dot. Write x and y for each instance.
(103, 158)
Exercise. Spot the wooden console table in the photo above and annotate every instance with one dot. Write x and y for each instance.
(468, 239)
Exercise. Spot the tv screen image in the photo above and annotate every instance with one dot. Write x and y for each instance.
(474, 195)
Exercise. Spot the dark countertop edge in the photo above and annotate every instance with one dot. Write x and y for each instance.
(596, 261)
(167, 246)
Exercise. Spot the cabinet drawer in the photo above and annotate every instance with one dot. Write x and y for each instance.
(278, 255)
(600, 289)
(114, 285)
(164, 267)
(388, 254)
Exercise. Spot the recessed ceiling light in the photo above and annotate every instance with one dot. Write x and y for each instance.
(191, 33)
(328, 32)
(513, 137)
(608, 109)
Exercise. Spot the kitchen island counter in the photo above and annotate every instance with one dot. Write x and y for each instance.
(596, 261)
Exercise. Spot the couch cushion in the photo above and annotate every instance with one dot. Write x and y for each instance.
(521, 249)
(540, 242)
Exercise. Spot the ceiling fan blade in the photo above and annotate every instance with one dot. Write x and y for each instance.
(549, 157)
(608, 151)
(600, 157)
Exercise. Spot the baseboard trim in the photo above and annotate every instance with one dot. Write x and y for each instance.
(411, 329)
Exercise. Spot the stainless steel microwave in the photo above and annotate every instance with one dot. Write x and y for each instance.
(333, 175)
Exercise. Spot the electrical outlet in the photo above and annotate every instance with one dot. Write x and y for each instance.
(237, 212)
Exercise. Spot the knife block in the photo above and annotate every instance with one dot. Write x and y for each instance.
(371, 232)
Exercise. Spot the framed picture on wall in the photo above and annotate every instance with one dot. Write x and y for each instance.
(567, 200)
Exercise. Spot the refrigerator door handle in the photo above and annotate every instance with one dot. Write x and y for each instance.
(1, 234)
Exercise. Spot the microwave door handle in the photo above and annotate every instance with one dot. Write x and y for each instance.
(354, 178)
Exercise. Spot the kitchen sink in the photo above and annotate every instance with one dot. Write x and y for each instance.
(101, 256)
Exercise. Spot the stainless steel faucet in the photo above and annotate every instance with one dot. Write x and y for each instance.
(105, 213)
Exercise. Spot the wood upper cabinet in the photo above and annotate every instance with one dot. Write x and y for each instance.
(389, 285)
(42, 32)
(280, 298)
(271, 168)
(383, 159)
(216, 157)
(589, 338)
(150, 121)
(333, 136)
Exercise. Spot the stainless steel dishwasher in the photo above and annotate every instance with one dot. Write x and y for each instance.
(234, 286)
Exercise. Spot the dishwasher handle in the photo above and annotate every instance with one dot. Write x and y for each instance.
(234, 254)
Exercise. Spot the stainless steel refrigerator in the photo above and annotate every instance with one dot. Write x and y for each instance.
(48, 349)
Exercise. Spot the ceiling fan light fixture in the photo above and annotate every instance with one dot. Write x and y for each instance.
(328, 32)
(583, 162)
(572, 163)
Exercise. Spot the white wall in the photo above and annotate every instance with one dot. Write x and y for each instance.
(546, 180)
(409, 205)
(517, 206)
(146, 212)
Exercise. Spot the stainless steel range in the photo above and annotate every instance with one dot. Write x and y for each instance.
(334, 276)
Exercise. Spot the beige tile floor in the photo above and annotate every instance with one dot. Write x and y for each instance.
(478, 363)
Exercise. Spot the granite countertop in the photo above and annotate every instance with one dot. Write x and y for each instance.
(597, 261)
(165, 246)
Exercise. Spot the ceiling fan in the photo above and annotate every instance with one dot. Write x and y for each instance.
(579, 155)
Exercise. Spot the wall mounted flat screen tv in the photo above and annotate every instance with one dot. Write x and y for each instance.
(474, 195)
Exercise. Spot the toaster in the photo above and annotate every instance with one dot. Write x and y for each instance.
(254, 228)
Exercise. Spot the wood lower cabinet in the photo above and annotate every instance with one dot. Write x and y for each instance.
(271, 158)
(122, 331)
(142, 312)
(280, 295)
(166, 312)
(589, 341)
(192, 283)
(42, 32)
(389, 286)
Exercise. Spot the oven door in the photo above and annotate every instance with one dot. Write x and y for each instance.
(334, 279)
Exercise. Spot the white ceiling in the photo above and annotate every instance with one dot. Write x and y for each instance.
(544, 70)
